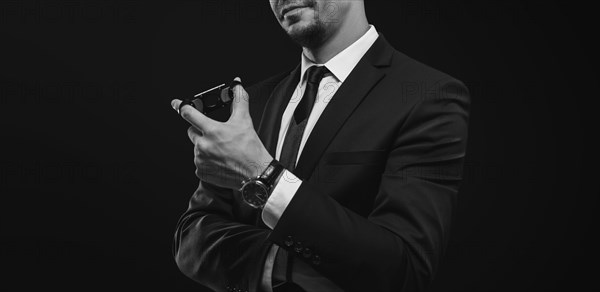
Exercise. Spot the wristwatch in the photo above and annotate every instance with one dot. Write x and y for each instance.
(256, 191)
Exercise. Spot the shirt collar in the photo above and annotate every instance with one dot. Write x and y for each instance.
(344, 62)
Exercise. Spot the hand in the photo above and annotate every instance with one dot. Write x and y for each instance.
(227, 153)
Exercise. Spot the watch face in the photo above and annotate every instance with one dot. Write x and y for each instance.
(255, 194)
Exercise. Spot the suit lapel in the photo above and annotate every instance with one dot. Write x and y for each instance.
(364, 77)
(268, 130)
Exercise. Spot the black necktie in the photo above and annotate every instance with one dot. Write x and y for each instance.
(293, 137)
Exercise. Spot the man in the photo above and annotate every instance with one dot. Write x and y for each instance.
(360, 152)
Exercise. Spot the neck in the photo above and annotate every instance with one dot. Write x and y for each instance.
(347, 34)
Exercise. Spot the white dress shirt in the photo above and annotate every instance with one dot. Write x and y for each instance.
(340, 67)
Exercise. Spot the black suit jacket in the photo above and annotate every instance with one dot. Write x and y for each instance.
(380, 172)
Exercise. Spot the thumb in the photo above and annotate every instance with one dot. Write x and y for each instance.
(240, 104)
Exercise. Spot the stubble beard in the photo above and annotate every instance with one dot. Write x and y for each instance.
(311, 36)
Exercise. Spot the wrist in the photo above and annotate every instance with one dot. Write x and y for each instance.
(258, 168)
(256, 191)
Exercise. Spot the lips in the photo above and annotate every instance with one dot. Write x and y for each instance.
(290, 8)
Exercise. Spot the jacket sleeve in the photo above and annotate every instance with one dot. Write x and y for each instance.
(214, 249)
(397, 247)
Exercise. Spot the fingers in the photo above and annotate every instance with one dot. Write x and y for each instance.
(240, 105)
(194, 117)
(195, 135)
(175, 104)
(239, 109)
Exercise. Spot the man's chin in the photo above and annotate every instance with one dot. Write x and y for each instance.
(303, 27)
(298, 28)
(309, 36)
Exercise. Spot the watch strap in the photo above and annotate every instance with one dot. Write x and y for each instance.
(271, 173)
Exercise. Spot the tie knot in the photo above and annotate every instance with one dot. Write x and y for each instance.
(316, 73)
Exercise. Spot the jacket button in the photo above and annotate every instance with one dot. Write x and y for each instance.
(298, 247)
(316, 260)
(307, 253)
(289, 241)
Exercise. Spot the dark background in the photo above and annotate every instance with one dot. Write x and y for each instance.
(96, 167)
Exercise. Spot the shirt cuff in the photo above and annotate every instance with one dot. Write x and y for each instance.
(282, 194)
(267, 278)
